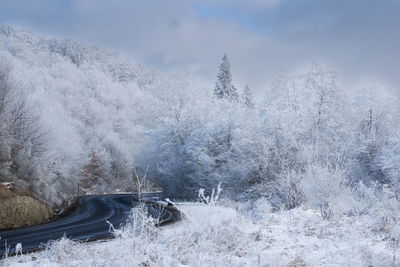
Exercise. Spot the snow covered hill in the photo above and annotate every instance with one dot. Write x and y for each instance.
(89, 103)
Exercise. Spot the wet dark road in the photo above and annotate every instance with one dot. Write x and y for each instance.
(88, 221)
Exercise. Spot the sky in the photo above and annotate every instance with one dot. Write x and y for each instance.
(360, 39)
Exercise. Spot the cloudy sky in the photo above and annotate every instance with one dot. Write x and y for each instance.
(358, 38)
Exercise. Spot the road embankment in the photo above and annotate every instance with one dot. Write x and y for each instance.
(18, 208)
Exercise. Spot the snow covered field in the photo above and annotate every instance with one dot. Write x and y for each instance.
(232, 234)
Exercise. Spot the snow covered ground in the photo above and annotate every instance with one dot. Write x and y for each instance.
(309, 144)
(232, 234)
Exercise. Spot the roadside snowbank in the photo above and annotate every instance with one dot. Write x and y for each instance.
(231, 234)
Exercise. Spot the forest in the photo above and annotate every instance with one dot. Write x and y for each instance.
(77, 120)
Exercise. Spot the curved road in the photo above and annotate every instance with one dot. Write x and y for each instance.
(88, 221)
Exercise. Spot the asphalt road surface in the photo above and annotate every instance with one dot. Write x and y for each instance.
(87, 221)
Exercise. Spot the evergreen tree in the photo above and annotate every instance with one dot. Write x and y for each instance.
(224, 88)
(247, 97)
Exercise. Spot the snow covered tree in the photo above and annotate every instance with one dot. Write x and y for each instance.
(224, 88)
(247, 97)
(326, 99)
(91, 174)
(21, 138)
(325, 187)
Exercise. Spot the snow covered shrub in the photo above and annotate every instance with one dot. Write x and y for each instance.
(213, 198)
(207, 235)
(59, 251)
(325, 188)
(385, 212)
(389, 160)
(374, 114)
(366, 198)
(140, 184)
(289, 190)
(141, 224)
(379, 206)
(256, 209)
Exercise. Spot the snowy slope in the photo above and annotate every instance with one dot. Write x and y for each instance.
(88, 100)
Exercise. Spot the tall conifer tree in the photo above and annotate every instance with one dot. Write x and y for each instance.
(224, 88)
(247, 97)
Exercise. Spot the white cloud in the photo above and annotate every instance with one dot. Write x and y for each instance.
(358, 38)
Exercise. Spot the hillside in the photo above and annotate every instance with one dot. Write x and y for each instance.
(88, 104)
(79, 120)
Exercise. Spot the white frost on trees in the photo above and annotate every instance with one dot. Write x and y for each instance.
(309, 142)
(247, 97)
(224, 88)
(21, 138)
